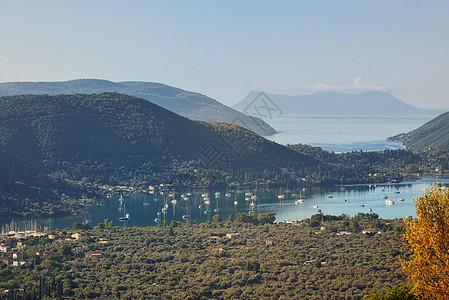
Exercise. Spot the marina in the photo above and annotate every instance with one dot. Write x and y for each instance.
(297, 204)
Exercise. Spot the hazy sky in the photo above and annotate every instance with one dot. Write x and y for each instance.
(224, 49)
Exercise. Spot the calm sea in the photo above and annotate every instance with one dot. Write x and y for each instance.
(147, 210)
(344, 133)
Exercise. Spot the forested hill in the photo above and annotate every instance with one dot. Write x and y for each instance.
(192, 105)
(100, 133)
(106, 127)
(433, 134)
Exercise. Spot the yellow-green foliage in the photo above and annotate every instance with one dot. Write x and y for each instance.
(427, 236)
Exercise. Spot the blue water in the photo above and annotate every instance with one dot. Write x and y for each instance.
(267, 200)
(344, 133)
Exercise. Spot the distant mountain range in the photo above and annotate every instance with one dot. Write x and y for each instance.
(191, 105)
(325, 103)
(433, 134)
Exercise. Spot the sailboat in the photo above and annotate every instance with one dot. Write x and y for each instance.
(217, 209)
(120, 207)
(281, 196)
(300, 200)
(235, 202)
(389, 202)
(158, 217)
(125, 216)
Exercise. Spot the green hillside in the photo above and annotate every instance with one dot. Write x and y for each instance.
(106, 127)
(120, 130)
(433, 134)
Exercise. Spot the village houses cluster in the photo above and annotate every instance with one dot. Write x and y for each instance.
(15, 252)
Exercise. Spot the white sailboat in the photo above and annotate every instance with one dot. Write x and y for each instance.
(389, 202)
(300, 200)
(125, 216)
(281, 196)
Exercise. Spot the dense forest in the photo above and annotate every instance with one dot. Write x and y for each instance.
(246, 257)
(389, 165)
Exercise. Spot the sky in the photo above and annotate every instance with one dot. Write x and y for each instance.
(225, 49)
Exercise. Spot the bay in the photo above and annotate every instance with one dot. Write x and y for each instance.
(344, 133)
(145, 209)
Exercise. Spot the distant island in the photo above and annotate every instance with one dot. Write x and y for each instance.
(191, 105)
(330, 103)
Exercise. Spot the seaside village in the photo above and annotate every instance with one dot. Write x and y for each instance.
(15, 251)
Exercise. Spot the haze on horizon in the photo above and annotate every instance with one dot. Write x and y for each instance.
(226, 49)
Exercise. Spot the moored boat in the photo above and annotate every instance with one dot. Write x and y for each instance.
(389, 202)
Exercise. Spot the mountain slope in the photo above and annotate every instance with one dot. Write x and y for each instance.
(120, 130)
(332, 103)
(433, 134)
(188, 104)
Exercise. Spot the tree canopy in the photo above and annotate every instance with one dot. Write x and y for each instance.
(427, 235)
